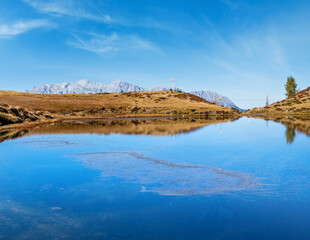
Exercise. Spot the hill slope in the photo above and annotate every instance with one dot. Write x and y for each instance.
(299, 103)
(215, 97)
(86, 86)
(114, 104)
(11, 115)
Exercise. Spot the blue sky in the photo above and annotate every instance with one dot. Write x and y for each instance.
(240, 49)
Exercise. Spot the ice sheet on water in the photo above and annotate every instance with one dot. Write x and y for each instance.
(46, 143)
(164, 177)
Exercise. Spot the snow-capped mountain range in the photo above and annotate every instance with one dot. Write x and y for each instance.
(215, 97)
(86, 86)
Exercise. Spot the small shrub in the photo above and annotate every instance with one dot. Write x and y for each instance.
(135, 109)
(3, 110)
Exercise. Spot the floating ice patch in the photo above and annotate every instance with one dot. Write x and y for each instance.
(164, 177)
(56, 208)
(46, 143)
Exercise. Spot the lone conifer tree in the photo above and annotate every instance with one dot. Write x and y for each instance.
(290, 86)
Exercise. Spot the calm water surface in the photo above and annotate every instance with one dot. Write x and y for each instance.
(245, 179)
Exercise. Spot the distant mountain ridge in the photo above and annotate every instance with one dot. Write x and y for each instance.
(86, 86)
(215, 97)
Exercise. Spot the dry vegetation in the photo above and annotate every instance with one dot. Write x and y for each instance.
(13, 115)
(161, 103)
(298, 104)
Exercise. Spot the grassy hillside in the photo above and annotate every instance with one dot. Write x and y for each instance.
(11, 115)
(159, 103)
(298, 104)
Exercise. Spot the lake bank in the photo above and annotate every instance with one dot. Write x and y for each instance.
(18, 107)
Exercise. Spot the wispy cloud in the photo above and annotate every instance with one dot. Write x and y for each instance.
(13, 29)
(252, 51)
(101, 44)
(233, 4)
(173, 82)
(65, 8)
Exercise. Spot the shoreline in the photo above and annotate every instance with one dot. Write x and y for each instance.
(31, 124)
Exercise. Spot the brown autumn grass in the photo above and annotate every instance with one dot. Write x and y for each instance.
(158, 103)
(298, 104)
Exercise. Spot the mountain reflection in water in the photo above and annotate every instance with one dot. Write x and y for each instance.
(139, 126)
(301, 124)
(147, 126)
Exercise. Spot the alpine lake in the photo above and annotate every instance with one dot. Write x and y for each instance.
(162, 178)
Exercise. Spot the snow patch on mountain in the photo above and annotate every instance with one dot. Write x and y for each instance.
(215, 97)
(86, 86)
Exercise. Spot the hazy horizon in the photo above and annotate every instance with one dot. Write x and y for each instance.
(240, 49)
